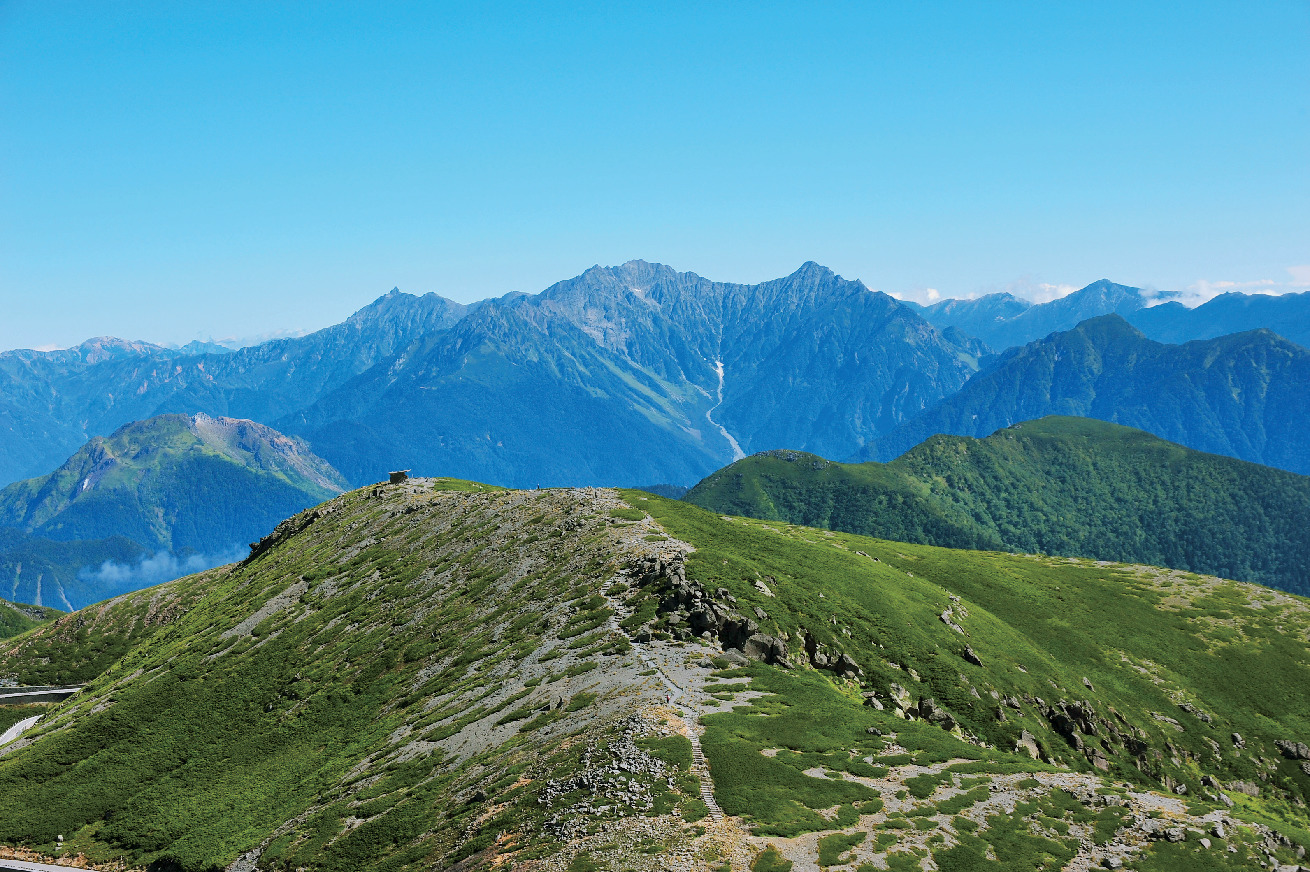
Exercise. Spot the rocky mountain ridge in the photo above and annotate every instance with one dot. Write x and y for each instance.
(635, 348)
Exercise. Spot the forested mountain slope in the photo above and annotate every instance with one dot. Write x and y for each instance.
(175, 485)
(1070, 486)
(1241, 395)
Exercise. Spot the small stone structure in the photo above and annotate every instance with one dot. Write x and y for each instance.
(399, 475)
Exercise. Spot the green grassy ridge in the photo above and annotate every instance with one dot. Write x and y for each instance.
(1057, 485)
(277, 707)
(1147, 640)
(135, 474)
(268, 710)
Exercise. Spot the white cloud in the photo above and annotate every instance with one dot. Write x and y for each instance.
(157, 568)
(1044, 292)
(933, 295)
(49, 347)
(1205, 290)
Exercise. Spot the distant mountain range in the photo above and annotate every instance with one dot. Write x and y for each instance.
(635, 373)
(1287, 315)
(1242, 395)
(1003, 320)
(1062, 486)
(155, 499)
(610, 376)
(53, 402)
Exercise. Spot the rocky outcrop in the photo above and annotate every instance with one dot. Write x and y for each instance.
(688, 610)
(1293, 750)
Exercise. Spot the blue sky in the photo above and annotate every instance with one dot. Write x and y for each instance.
(171, 171)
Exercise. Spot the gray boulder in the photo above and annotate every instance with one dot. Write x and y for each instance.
(768, 649)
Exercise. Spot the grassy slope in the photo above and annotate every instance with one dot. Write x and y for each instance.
(1069, 486)
(315, 686)
(323, 700)
(153, 485)
(1147, 640)
(135, 476)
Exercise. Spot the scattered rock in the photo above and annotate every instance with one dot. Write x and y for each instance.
(846, 667)
(763, 588)
(760, 613)
(946, 619)
(1238, 741)
(969, 655)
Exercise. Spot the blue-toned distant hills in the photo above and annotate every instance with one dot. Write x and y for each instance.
(608, 377)
(1003, 320)
(154, 500)
(1246, 395)
(613, 376)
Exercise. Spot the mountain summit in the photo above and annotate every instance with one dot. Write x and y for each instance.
(629, 373)
(175, 485)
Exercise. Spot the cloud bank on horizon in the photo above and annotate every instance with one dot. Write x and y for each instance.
(1195, 294)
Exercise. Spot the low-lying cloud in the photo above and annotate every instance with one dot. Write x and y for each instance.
(1204, 291)
(157, 568)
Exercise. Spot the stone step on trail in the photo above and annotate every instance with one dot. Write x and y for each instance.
(702, 771)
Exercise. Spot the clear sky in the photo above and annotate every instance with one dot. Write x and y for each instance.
(171, 171)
